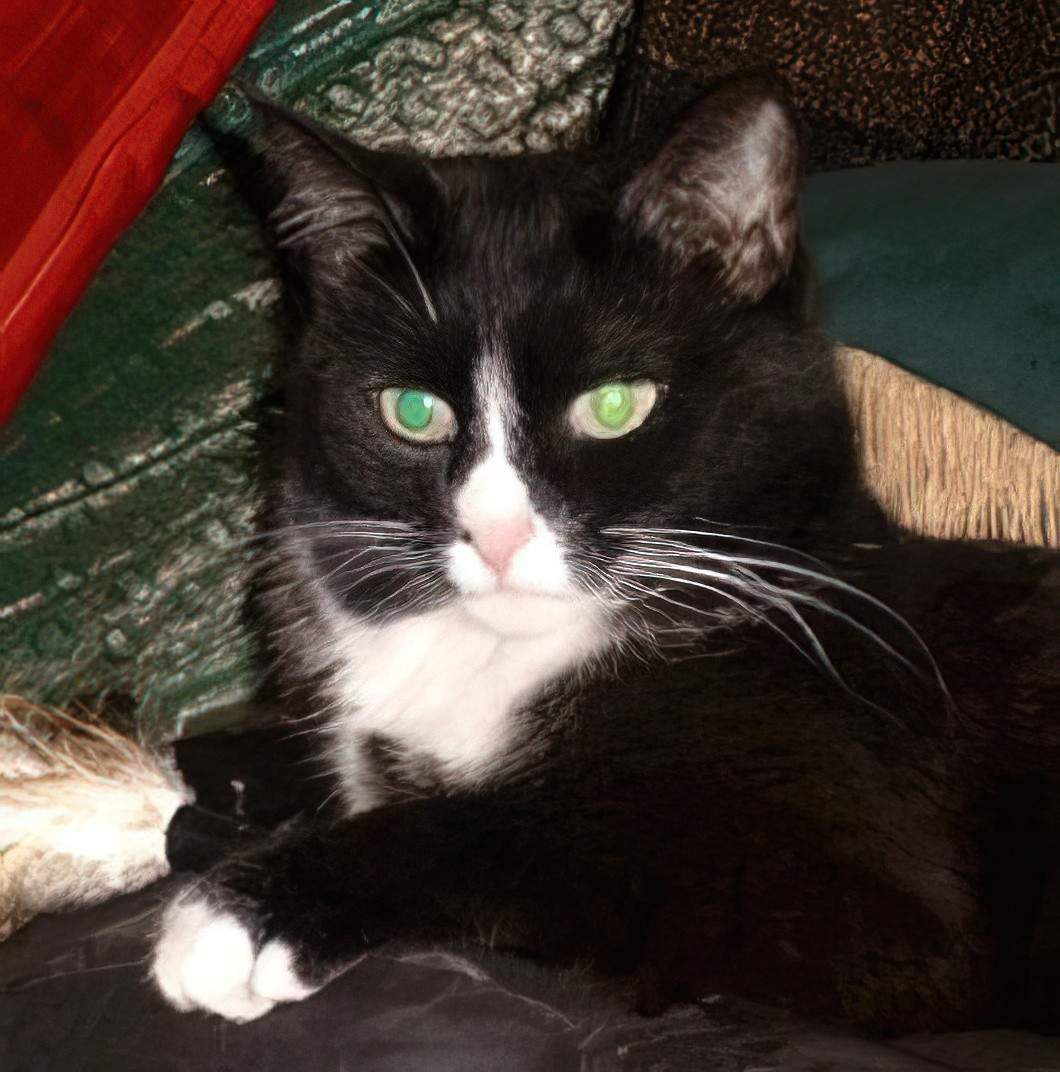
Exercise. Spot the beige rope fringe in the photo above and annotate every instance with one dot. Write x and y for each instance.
(942, 466)
(83, 812)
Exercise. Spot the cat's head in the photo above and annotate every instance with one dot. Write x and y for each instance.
(505, 374)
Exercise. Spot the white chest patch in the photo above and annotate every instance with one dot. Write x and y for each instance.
(445, 684)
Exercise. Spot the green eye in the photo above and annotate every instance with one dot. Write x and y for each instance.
(613, 409)
(417, 415)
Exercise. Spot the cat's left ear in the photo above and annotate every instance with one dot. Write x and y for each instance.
(726, 185)
(331, 205)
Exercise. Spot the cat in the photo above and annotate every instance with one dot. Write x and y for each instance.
(567, 570)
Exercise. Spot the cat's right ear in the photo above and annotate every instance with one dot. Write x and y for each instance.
(724, 187)
(330, 205)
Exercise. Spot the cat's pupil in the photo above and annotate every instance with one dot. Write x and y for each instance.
(612, 404)
(415, 410)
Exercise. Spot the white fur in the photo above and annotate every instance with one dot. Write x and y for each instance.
(495, 495)
(274, 974)
(207, 959)
(493, 489)
(446, 684)
(537, 568)
(449, 683)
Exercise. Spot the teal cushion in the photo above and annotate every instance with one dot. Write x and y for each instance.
(952, 269)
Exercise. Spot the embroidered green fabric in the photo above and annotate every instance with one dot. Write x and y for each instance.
(127, 475)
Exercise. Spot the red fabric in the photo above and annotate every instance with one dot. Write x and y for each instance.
(94, 98)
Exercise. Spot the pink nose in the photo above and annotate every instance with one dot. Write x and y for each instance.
(498, 541)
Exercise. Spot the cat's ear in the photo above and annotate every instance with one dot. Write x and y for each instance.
(726, 183)
(330, 204)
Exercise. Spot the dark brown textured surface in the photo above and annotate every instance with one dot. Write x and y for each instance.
(873, 79)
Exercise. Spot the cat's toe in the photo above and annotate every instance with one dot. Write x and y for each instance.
(207, 958)
(275, 976)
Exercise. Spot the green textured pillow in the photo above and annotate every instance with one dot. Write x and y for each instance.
(126, 478)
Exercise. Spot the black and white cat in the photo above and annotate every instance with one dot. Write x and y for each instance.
(562, 711)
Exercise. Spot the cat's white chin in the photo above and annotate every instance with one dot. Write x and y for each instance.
(512, 612)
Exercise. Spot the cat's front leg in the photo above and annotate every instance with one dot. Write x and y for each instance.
(216, 956)
(256, 930)
(275, 923)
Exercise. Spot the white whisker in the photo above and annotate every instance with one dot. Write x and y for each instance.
(786, 594)
(718, 536)
(684, 549)
(784, 606)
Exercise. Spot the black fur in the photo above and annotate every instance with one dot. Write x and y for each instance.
(718, 812)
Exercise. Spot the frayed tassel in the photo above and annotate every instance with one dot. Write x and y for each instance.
(83, 812)
(942, 466)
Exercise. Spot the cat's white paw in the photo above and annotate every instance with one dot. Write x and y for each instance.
(206, 958)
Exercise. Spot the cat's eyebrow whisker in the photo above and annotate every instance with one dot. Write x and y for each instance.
(394, 293)
(355, 207)
(428, 304)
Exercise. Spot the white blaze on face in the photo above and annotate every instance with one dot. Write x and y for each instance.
(493, 505)
(447, 682)
(509, 549)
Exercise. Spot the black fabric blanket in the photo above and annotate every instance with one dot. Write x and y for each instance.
(74, 993)
(74, 998)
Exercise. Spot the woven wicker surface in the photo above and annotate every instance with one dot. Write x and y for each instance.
(943, 466)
